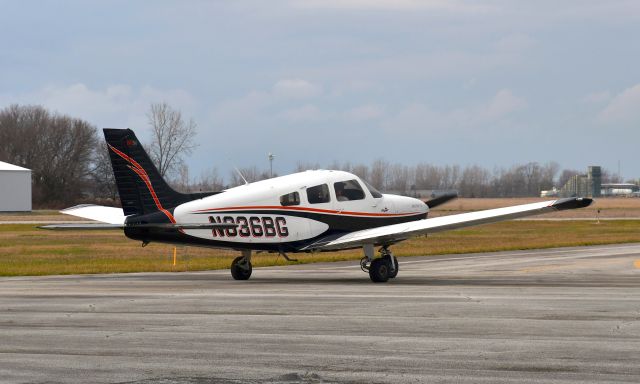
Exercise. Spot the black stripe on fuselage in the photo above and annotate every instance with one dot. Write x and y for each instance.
(338, 226)
(336, 222)
(173, 236)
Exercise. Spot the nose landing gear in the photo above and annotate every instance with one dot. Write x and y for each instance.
(381, 269)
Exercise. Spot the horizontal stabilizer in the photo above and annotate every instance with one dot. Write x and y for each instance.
(98, 226)
(109, 215)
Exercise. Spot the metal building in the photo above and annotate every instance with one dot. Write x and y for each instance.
(588, 185)
(15, 188)
(619, 189)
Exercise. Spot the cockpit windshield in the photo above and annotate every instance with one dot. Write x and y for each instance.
(374, 192)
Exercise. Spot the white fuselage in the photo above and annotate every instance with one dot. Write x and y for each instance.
(296, 208)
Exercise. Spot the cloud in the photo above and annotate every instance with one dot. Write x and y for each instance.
(118, 105)
(597, 97)
(418, 66)
(365, 112)
(296, 89)
(256, 103)
(246, 106)
(414, 117)
(515, 42)
(306, 113)
(355, 87)
(502, 104)
(394, 5)
(623, 108)
(418, 117)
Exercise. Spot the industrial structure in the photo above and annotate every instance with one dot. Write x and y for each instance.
(15, 188)
(590, 185)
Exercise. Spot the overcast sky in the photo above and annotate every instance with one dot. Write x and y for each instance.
(492, 83)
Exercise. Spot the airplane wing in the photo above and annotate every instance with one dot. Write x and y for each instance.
(391, 234)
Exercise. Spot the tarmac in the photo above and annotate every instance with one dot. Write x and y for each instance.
(569, 315)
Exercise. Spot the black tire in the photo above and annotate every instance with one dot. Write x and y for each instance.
(379, 271)
(240, 272)
(394, 273)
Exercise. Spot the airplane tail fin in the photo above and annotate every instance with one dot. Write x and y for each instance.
(141, 188)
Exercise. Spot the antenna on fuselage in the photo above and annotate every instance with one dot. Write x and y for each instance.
(240, 173)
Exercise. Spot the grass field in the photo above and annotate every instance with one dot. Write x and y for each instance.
(26, 250)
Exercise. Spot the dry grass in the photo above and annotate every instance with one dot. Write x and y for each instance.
(26, 250)
(40, 215)
(609, 208)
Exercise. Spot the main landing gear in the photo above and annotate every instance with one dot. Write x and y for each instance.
(241, 266)
(381, 269)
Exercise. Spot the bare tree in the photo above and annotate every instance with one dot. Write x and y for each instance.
(565, 175)
(210, 180)
(173, 138)
(58, 149)
(103, 180)
(399, 178)
(252, 174)
(610, 176)
(361, 171)
(549, 172)
(474, 182)
(182, 180)
(380, 174)
(302, 166)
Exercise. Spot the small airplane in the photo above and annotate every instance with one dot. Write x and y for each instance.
(312, 211)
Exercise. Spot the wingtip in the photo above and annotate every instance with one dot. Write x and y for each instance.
(572, 203)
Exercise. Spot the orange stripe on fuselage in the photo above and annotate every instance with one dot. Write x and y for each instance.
(305, 209)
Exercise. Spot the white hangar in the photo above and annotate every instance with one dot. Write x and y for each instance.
(15, 188)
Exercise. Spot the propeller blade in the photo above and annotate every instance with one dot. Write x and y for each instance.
(441, 200)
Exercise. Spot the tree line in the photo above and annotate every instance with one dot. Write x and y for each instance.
(522, 180)
(70, 163)
(69, 158)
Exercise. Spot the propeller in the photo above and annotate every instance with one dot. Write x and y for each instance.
(441, 200)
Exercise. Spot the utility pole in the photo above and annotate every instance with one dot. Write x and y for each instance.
(271, 157)
(619, 174)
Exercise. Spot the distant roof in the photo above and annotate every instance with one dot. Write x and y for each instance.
(10, 167)
(618, 185)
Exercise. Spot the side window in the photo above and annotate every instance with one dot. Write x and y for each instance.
(292, 198)
(348, 190)
(318, 194)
